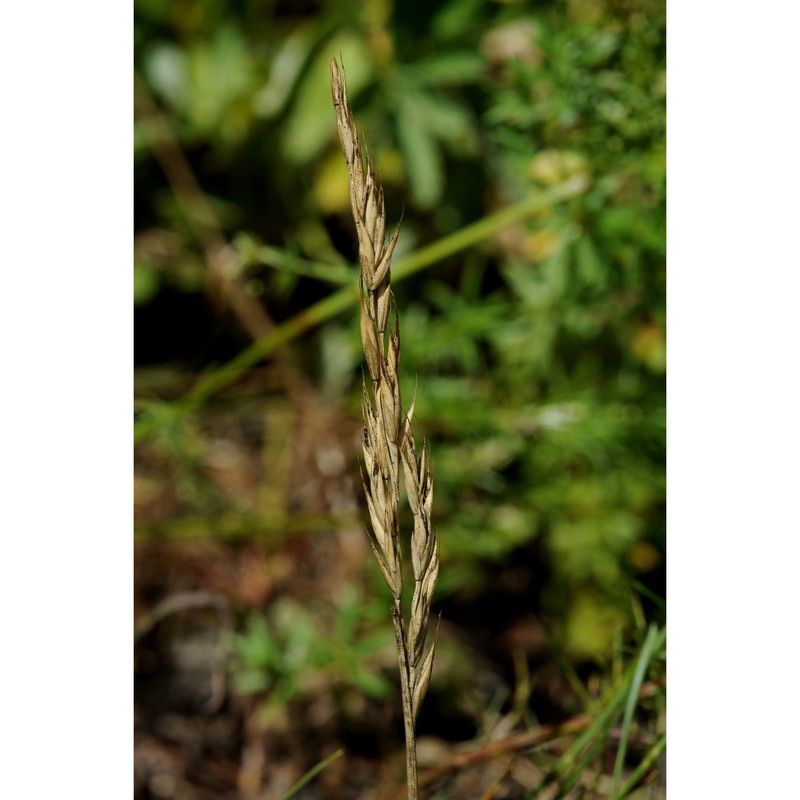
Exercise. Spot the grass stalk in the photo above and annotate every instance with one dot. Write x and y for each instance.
(388, 442)
(405, 693)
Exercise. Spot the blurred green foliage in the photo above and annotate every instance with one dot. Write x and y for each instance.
(540, 354)
(291, 654)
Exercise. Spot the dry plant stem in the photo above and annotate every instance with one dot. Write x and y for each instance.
(405, 692)
(388, 438)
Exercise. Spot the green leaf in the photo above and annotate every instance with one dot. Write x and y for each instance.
(285, 70)
(589, 266)
(311, 122)
(166, 71)
(371, 683)
(449, 121)
(457, 18)
(222, 78)
(452, 68)
(252, 681)
(421, 154)
(598, 48)
(146, 282)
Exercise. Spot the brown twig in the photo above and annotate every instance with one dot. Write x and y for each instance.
(503, 747)
(516, 742)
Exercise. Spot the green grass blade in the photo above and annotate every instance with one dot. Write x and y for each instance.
(647, 762)
(486, 227)
(286, 261)
(649, 594)
(476, 232)
(575, 759)
(594, 733)
(582, 764)
(645, 657)
(312, 773)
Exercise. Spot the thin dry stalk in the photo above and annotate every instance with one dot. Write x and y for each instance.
(388, 439)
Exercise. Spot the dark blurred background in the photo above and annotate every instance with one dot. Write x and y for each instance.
(263, 639)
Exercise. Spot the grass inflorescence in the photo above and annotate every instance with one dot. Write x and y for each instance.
(388, 438)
